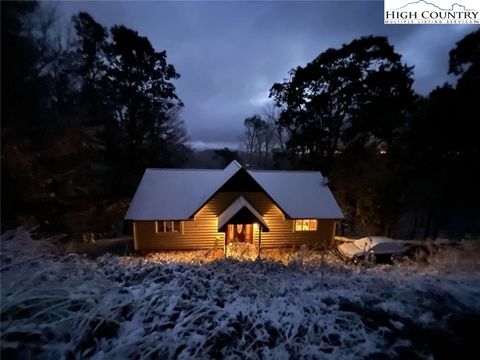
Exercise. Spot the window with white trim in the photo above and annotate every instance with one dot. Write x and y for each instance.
(168, 226)
(306, 225)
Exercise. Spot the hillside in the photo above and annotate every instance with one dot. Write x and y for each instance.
(179, 306)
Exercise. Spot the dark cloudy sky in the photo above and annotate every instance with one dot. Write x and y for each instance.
(229, 54)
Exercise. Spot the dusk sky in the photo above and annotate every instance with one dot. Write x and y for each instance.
(229, 54)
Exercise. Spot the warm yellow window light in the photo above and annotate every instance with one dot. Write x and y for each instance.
(305, 225)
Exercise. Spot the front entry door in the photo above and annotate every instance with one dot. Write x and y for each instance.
(242, 233)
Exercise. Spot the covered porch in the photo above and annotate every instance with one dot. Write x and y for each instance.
(243, 225)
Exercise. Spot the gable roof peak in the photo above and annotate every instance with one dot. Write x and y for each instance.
(234, 165)
(235, 208)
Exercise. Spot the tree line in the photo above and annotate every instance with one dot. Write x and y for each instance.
(399, 163)
(83, 115)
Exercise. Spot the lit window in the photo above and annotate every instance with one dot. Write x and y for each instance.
(306, 225)
(167, 226)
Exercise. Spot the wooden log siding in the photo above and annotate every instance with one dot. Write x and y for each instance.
(201, 232)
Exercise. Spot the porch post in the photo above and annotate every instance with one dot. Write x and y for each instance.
(225, 245)
(259, 240)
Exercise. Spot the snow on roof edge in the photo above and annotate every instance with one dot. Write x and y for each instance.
(132, 204)
(217, 178)
(233, 209)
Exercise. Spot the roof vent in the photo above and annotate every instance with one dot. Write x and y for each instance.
(324, 181)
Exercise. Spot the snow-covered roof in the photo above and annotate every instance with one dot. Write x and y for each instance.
(300, 194)
(176, 194)
(235, 208)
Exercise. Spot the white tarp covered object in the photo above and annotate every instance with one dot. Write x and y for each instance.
(177, 194)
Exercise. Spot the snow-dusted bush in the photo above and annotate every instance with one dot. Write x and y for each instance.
(465, 257)
(54, 305)
(184, 305)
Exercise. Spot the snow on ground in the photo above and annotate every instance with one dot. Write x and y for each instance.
(187, 305)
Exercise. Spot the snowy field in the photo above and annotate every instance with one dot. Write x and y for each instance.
(295, 305)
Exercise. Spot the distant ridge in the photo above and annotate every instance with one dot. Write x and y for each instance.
(438, 7)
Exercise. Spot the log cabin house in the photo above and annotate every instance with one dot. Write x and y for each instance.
(180, 209)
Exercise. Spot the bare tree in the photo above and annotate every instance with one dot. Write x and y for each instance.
(253, 128)
(259, 141)
(271, 114)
